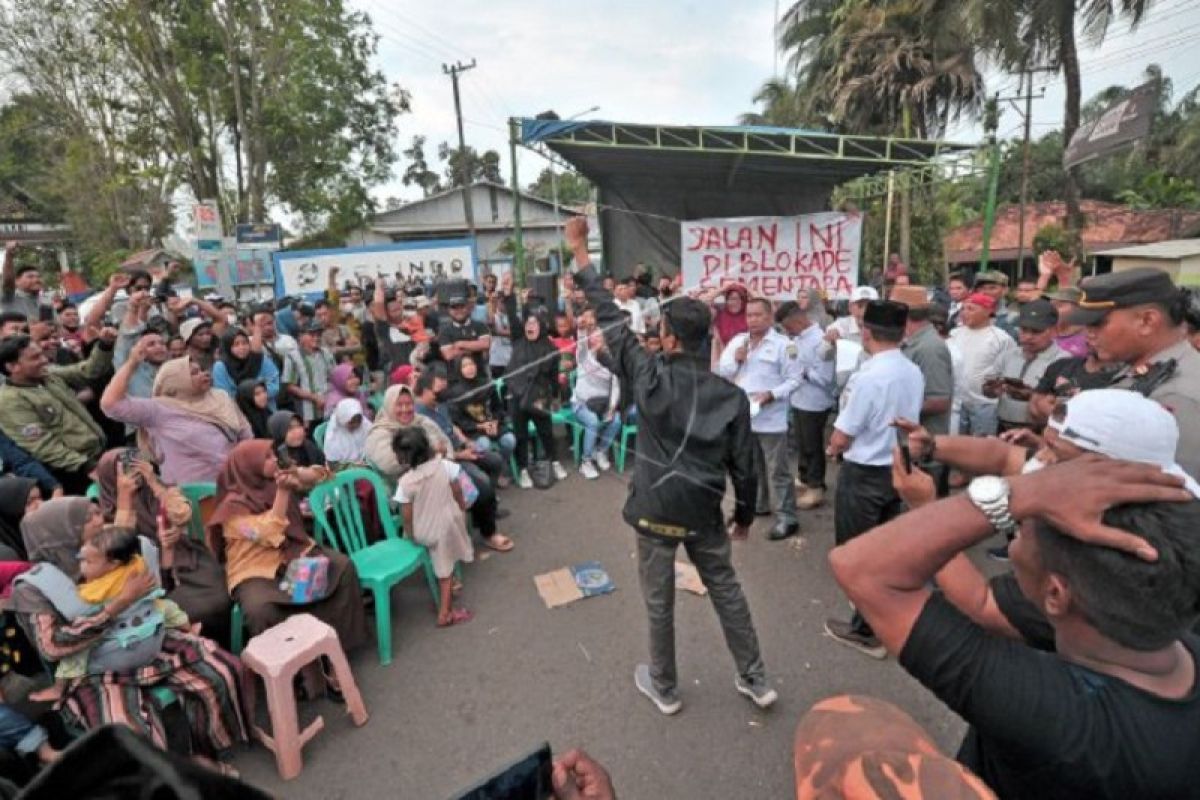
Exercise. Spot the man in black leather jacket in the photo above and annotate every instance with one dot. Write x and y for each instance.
(693, 431)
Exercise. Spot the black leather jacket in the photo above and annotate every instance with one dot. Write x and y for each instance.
(693, 429)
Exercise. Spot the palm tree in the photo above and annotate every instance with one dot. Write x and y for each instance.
(1027, 33)
(891, 68)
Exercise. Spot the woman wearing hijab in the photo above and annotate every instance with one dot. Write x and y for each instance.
(532, 383)
(399, 411)
(287, 430)
(186, 427)
(476, 408)
(190, 573)
(205, 678)
(18, 497)
(241, 359)
(730, 319)
(258, 528)
(255, 405)
(344, 382)
(346, 437)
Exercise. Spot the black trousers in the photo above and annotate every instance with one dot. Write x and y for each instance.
(864, 499)
(808, 428)
(544, 426)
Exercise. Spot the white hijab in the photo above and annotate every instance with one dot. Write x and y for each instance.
(341, 443)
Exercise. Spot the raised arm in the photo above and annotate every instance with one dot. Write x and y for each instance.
(378, 307)
(118, 387)
(116, 282)
(978, 456)
(630, 361)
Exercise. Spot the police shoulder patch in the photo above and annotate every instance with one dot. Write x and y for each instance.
(31, 431)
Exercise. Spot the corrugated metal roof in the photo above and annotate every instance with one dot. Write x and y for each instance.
(1172, 248)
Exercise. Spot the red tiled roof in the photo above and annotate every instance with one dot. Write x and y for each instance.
(1109, 225)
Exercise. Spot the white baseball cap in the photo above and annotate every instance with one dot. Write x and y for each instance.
(190, 326)
(863, 293)
(1120, 423)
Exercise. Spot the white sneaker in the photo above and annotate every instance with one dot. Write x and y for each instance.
(588, 470)
(525, 482)
(601, 459)
(560, 473)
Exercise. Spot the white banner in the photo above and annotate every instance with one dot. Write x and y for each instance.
(307, 271)
(774, 257)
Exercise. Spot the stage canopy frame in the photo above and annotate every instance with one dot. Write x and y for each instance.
(650, 177)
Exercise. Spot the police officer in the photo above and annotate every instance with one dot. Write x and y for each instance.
(693, 433)
(763, 363)
(1136, 317)
(885, 388)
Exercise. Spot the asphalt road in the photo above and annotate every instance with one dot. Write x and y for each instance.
(457, 703)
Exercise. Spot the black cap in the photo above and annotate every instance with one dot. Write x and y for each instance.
(886, 314)
(312, 327)
(456, 300)
(1038, 315)
(1125, 289)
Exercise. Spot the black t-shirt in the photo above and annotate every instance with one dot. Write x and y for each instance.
(1073, 372)
(1044, 727)
(451, 331)
(1023, 615)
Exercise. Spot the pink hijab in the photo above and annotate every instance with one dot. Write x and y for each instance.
(338, 392)
(727, 323)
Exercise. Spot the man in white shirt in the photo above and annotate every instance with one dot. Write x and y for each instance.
(763, 363)
(624, 295)
(885, 388)
(811, 402)
(983, 347)
(849, 327)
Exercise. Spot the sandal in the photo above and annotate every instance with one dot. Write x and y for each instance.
(502, 546)
(457, 617)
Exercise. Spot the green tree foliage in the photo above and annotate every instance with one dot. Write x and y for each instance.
(1041, 33)
(480, 167)
(260, 103)
(573, 188)
(418, 172)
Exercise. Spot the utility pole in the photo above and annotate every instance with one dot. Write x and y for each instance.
(1028, 96)
(464, 163)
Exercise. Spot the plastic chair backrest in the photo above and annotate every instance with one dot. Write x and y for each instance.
(93, 491)
(319, 435)
(338, 514)
(197, 493)
(376, 401)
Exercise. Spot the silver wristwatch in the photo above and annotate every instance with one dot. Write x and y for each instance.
(990, 494)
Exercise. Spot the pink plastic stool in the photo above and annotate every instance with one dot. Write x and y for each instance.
(276, 655)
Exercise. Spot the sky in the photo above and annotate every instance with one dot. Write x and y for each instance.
(671, 61)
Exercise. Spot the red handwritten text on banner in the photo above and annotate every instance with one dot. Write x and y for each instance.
(773, 256)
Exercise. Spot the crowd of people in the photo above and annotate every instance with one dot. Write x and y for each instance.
(110, 412)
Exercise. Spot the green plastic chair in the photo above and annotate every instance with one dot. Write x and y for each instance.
(196, 493)
(93, 492)
(319, 435)
(621, 444)
(380, 566)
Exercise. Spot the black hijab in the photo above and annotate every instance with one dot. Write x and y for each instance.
(239, 369)
(14, 494)
(307, 455)
(532, 372)
(257, 417)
